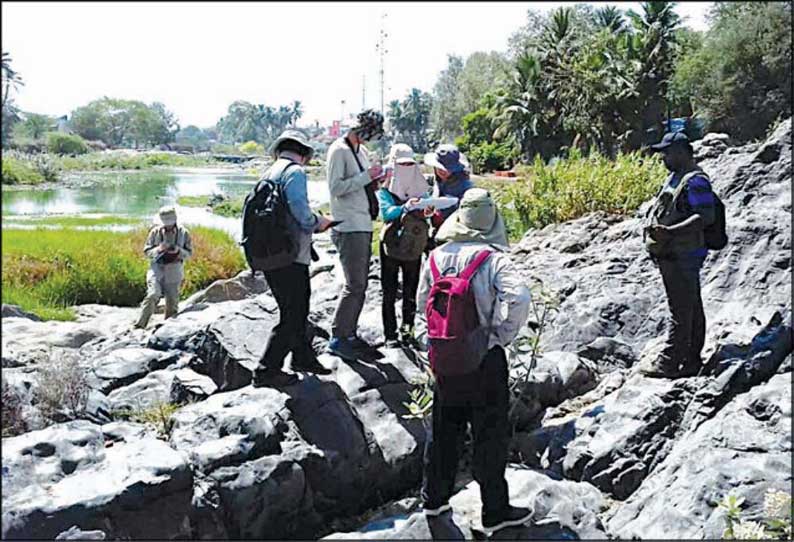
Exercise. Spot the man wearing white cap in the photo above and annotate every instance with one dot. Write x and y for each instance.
(167, 247)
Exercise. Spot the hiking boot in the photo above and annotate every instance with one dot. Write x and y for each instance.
(310, 365)
(511, 517)
(435, 512)
(407, 337)
(691, 368)
(273, 378)
(659, 368)
(343, 348)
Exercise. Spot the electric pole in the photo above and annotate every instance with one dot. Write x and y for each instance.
(381, 49)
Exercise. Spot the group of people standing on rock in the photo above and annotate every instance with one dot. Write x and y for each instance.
(468, 289)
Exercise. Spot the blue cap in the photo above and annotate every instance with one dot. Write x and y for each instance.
(671, 138)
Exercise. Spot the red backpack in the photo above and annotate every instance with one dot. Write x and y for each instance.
(457, 341)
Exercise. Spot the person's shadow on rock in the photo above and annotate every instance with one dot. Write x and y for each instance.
(444, 528)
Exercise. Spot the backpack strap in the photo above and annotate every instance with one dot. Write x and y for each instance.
(470, 269)
(434, 268)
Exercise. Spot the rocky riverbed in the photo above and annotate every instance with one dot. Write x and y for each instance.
(600, 451)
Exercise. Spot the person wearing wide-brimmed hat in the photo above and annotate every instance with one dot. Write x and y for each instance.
(404, 186)
(451, 175)
(290, 285)
(167, 246)
(352, 182)
(481, 397)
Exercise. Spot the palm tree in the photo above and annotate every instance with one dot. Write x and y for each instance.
(610, 18)
(296, 112)
(11, 78)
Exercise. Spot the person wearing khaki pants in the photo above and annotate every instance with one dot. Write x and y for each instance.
(351, 182)
(167, 246)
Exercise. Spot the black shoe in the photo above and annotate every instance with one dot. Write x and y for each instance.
(691, 368)
(273, 378)
(512, 517)
(360, 344)
(310, 365)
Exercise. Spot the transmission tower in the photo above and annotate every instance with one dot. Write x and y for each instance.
(381, 49)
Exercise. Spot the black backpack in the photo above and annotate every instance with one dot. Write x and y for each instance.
(267, 240)
(716, 236)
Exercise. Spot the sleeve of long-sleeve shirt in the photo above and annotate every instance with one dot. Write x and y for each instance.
(339, 185)
(701, 198)
(513, 296)
(151, 244)
(425, 283)
(296, 191)
(389, 211)
(186, 250)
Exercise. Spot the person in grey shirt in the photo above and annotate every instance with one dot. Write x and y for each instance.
(290, 285)
(352, 182)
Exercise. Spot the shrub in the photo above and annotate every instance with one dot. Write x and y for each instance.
(572, 187)
(252, 147)
(13, 422)
(62, 388)
(492, 156)
(776, 523)
(17, 171)
(60, 143)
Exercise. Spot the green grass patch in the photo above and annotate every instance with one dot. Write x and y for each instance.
(100, 161)
(71, 221)
(572, 187)
(193, 201)
(16, 171)
(47, 271)
(231, 208)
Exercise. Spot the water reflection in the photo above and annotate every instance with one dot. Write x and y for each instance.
(140, 194)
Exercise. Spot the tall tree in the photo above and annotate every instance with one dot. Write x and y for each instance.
(11, 81)
(447, 111)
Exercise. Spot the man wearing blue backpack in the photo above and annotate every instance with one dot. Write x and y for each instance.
(685, 221)
(475, 305)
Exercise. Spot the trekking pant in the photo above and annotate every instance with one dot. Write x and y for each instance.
(389, 269)
(355, 249)
(155, 289)
(292, 289)
(481, 399)
(687, 331)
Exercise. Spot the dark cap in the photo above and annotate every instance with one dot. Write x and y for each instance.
(669, 139)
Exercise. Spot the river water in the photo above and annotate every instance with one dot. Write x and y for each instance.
(140, 195)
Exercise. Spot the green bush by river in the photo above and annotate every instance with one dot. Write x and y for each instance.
(572, 187)
(46, 271)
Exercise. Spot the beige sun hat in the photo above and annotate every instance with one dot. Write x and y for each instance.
(477, 219)
(167, 215)
(294, 135)
(400, 153)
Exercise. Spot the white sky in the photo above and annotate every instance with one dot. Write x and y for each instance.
(197, 58)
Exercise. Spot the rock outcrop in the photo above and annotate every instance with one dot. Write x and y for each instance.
(600, 451)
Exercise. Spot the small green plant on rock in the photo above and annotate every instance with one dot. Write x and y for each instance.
(158, 415)
(421, 398)
(524, 351)
(776, 524)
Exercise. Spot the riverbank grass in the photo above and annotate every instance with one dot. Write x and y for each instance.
(572, 187)
(46, 271)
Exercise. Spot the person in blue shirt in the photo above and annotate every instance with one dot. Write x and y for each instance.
(290, 285)
(404, 185)
(674, 236)
(451, 175)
